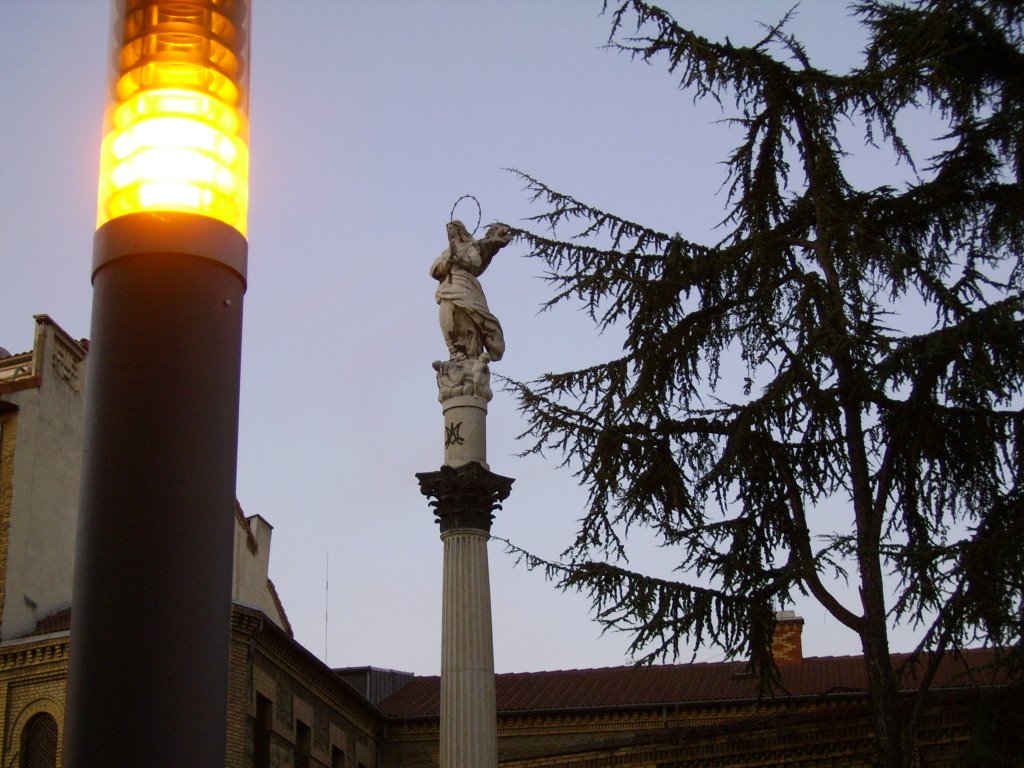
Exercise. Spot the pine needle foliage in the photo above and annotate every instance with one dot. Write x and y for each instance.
(861, 447)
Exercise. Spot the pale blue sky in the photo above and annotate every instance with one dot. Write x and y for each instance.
(368, 121)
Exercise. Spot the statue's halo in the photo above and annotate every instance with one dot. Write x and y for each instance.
(479, 212)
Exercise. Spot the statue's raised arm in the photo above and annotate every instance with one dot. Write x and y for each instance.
(467, 324)
(498, 235)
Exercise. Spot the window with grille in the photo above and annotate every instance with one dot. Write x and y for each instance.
(39, 742)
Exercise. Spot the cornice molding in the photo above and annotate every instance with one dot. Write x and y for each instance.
(34, 651)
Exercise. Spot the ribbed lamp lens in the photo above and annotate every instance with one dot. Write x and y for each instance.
(176, 133)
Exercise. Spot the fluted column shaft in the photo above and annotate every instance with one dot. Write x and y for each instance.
(469, 731)
(464, 500)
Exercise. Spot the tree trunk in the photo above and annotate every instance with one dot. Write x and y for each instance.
(878, 664)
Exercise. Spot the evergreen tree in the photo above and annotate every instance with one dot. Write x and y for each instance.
(908, 447)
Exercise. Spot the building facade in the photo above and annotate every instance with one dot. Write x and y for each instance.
(285, 706)
(288, 709)
(706, 715)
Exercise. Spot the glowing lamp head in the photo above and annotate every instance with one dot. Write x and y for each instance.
(176, 133)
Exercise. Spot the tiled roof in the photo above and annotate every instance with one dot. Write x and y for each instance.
(629, 687)
(244, 525)
(280, 608)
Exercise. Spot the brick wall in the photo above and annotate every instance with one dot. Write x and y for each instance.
(300, 689)
(836, 734)
(33, 679)
(8, 427)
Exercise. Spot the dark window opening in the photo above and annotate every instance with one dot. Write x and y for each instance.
(261, 733)
(303, 744)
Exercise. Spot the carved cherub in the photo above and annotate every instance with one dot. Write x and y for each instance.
(481, 377)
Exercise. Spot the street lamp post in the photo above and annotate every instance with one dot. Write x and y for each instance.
(150, 626)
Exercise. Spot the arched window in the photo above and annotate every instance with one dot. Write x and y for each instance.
(39, 742)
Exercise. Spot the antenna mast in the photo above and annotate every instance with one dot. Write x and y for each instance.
(327, 603)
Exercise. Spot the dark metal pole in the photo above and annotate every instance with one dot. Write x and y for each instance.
(150, 626)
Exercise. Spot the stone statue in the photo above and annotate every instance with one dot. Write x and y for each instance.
(468, 326)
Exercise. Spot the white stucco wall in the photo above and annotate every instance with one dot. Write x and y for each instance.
(249, 585)
(44, 498)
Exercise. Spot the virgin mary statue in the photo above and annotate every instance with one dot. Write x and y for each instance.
(468, 326)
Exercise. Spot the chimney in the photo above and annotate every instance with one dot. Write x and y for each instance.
(786, 645)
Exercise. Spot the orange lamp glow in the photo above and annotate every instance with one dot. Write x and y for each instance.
(176, 133)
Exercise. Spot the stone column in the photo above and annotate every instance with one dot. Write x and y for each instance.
(465, 494)
(469, 731)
